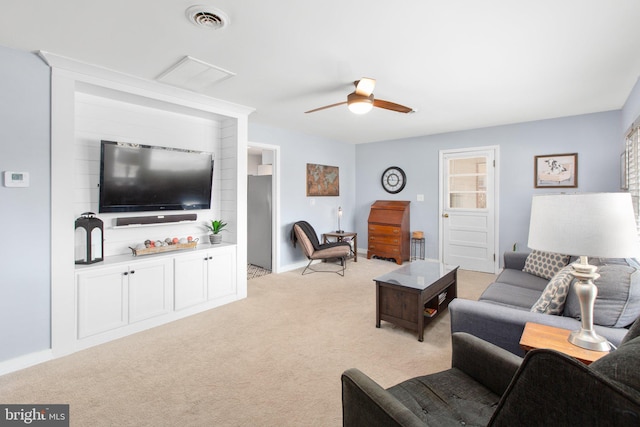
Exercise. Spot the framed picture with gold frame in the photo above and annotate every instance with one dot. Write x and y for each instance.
(556, 171)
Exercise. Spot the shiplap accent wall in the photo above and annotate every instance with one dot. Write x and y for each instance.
(99, 117)
(228, 182)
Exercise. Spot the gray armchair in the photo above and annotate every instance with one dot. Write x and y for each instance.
(303, 233)
(487, 385)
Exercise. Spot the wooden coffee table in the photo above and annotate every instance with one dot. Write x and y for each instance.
(537, 336)
(414, 293)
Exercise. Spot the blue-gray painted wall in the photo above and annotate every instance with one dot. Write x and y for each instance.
(25, 278)
(296, 150)
(595, 137)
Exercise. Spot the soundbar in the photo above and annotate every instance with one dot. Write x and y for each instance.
(154, 219)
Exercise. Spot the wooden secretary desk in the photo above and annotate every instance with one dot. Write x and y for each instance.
(389, 235)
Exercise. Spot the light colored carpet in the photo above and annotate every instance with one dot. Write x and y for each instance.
(273, 359)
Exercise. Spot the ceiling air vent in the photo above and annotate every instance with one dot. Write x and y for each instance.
(207, 17)
(194, 74)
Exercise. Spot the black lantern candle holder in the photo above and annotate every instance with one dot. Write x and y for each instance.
(89, 239)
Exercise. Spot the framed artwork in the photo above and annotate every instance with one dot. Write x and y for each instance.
(322, 180)
(556, 171)
(624, 177)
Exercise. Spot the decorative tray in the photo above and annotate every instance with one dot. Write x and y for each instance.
(160, 249)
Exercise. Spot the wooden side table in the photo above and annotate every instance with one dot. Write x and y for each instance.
(537, 336)
(340, 237)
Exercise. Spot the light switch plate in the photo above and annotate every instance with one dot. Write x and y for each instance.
(16, 179)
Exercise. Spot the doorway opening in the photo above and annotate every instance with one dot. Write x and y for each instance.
(262, 209)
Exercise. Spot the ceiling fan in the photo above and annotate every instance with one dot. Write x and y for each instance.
(361, 100)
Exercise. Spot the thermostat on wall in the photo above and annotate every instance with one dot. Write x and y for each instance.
(16, 179)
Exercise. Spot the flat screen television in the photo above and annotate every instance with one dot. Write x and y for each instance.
(139, 178)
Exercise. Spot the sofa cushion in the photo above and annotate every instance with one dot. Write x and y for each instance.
(554, 295)
(522, 279)
(622, 366)
(618, 301)
(448, 398)
(545, 264)
(510, 295)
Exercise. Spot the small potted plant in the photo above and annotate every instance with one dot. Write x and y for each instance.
(215, 227)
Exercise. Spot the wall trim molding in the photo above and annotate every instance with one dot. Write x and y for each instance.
(26, 361)
(89, 73)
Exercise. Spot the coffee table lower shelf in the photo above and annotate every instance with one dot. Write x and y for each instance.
(405, 306)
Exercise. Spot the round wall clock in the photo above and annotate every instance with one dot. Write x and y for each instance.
(393, 179)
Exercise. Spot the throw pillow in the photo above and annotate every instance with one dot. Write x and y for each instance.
(555, 294)
(545, 264)
(618, 301)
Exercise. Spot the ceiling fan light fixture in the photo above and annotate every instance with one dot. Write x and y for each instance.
(359, 104)
(361, 100)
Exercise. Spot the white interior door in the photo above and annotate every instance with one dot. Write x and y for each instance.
(468, 209)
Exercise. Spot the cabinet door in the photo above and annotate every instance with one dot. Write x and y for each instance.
(190, 280)
(222, 273)
(150, 289)
(102, 300)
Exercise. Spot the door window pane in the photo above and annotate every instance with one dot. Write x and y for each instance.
(467, 183)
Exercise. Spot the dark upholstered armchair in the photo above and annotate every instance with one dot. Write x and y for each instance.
(304, 234)
(488, 385)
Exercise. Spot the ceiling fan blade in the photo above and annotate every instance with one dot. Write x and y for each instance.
(325, 107)
(365, 86)
(391, 106)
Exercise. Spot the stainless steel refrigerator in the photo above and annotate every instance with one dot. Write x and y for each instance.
(259, 210)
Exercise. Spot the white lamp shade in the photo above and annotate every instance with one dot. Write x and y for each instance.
(587, 224)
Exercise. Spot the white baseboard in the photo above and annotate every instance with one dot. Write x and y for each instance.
(294, 266)
(25, 361)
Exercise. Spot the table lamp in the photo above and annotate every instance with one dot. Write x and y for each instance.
(587, 225)
(340, 230)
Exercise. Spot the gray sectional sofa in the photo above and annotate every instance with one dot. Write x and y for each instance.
(505, 306)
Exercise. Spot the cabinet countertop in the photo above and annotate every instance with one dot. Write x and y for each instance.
(129, 258)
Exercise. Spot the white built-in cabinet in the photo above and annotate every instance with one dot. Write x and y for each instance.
(204, 276)
(221, 274)
(112, 297)
(190, 283)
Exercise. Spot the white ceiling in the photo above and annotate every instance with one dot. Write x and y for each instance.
(461, 64)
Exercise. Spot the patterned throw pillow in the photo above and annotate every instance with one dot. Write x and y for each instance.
(545, 264)
(555, 294)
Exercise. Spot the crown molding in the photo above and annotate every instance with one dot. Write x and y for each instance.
(100, 76)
